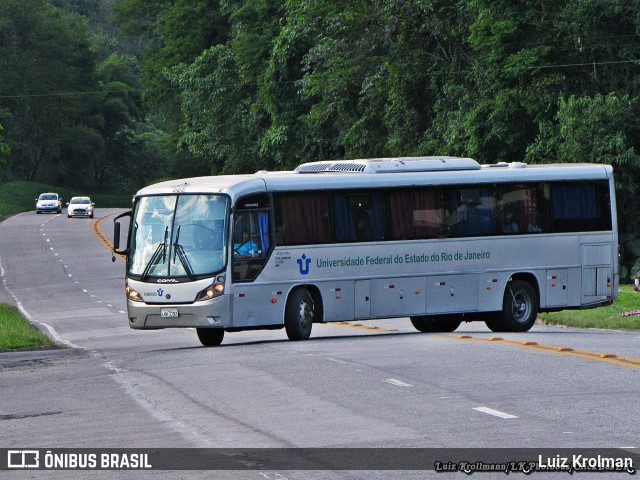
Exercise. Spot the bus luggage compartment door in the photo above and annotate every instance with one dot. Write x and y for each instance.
(398, 297)
(597, 272)
(362, 298)
(556, 289)
(452, 293)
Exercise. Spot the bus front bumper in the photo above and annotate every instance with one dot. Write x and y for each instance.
(212, 313)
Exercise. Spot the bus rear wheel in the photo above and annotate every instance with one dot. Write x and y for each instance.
(299, 314)
(210, 337)
(427, 324)
(519, 308)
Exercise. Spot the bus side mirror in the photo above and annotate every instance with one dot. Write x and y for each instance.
(116, 236)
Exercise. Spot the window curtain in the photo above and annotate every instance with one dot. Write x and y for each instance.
(413, 214)
(344, 223)
(571, 202)
(305, 219)
(263, 225)
(377, 217)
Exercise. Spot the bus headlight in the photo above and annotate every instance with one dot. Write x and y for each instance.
(211, 291)
(132, 294)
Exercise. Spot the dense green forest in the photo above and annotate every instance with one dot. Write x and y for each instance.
(110, 95)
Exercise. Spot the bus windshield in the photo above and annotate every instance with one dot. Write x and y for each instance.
(178, 236)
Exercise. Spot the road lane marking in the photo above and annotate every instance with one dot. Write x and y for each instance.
(336, 360)
(360, 326)
(97, 231)
(398, 383)
(495, 413)
(599, 356)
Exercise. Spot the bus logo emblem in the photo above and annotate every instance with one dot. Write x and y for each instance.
(160, 292)
(303, 263)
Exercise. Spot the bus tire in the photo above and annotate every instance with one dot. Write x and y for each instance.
(428, 324)
(495, 324)
(210, 337)
(519, 307)
(299, 314)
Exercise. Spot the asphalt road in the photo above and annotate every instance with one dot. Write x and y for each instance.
(375, 384)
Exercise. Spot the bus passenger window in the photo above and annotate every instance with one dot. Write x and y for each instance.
(414, 214)
(471, 210)
(358, 217)
(302, 218)
(363, 226)
(521, 208)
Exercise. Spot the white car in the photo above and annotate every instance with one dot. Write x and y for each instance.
(49, 202)
(80, 207)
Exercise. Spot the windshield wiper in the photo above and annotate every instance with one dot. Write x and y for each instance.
(179, 252)
(161, 252)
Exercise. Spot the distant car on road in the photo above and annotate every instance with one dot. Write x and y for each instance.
(80, 207)
(49, 202)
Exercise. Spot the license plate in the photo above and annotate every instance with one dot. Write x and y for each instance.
(169, 312)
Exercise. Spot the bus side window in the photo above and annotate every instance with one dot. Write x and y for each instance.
(358, 217)
(414, 213)
(580, 207)
(518, 208)
(248, 235)
(471, 211)
(302, 218)
(251, 243)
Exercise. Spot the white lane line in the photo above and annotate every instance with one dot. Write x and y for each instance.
(336, 360)
(398, 383)
(58, 338)
(495, 413)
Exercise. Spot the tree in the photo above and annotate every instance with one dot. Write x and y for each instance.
(47, 74)
(174, 33)
(4, 149)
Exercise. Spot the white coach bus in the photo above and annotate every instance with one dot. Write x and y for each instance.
(440, 240)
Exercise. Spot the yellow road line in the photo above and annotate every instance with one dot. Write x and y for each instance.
(602, 357)
(95, 228)
(362, 327)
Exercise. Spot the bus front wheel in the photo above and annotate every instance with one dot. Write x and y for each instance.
(210, 337)
(427, 324)
(519, 307)
(298, 315)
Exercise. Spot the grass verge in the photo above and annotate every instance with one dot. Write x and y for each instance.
(603, 317)
(16, 332)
